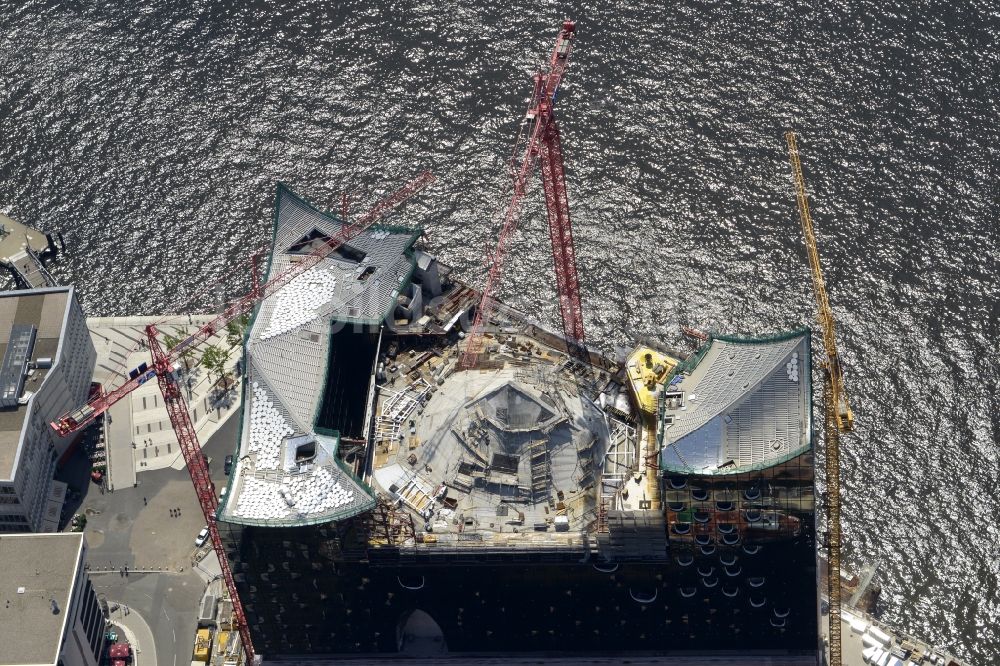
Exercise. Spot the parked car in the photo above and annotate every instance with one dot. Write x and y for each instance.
(229, 465)
(199, 540)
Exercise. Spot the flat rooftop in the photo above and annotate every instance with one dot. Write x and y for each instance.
(45, 309)
(37, 570)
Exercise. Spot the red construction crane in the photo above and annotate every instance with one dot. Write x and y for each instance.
(540, 136)
(77, 419)
(163, 364)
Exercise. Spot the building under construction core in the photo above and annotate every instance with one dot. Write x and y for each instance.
(385, 500)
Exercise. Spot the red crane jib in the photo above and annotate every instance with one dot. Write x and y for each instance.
(543, 144)
(187, 438)
(79, 418)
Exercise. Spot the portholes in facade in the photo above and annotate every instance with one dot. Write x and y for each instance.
(643, 596)
(411, 582)
(781, 612)
(703, 539)
(758, 600)
(751, 548)
(756, 581)
(699, 494)
(688, 592)
(777, 622)
(753, 515)
(730, 590)
(678, 482)
(702, 516)
(685, 559)
(725, 505)
(732, 572)
(710, 582)
(705, 570)
(731, 539)
(676, 506)
(728, 558)
(727, 528)
(606, 567)
(752, 493)
(681, 528)
(708, 550)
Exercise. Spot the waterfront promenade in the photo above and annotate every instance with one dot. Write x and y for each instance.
(139, 435)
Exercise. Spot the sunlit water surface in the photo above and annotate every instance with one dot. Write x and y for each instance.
(151, 135)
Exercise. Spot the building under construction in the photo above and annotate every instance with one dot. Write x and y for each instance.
(386, 499)
(422, 470)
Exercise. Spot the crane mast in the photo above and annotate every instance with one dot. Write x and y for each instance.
(162, 369)
(541, 144)
(837, 415)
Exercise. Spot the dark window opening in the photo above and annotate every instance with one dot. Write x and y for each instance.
(308, 243)
(315, 239)
(305, 452)
(505, 463)
(352, 356)
(348, 253)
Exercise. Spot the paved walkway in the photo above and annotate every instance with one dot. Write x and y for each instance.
(137, 633)
(140, 437)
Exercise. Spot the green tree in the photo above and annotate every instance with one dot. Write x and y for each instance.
(235, 330)
(187, 354)
(214, 360)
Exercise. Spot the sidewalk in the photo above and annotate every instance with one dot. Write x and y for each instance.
(140, 436)
(137, 633)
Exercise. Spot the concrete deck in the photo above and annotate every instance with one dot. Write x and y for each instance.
(20, 249)
(140, 437)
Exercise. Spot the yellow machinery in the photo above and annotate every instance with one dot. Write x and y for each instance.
(202, 645)
(838, 417)
(647, 369)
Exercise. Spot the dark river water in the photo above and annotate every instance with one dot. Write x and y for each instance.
(151, 135)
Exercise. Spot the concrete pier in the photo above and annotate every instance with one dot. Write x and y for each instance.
(21, 250)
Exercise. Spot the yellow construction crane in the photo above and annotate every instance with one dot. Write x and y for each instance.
(838, 417)
(843, 414)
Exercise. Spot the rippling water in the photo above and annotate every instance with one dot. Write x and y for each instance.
(151, 135)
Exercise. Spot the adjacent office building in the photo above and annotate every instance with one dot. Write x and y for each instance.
(47, 364)
(49, 613)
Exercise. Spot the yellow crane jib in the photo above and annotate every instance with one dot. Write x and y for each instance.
(843, 414)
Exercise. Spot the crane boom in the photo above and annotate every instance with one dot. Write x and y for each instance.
(540, 143)
(844, 415)
(187, 439)
(837, 416)
(79, 418)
